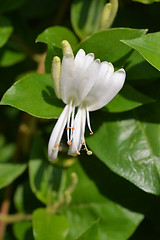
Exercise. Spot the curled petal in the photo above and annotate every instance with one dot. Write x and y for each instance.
(108, 84)
(56, 134)
(66, 82)
(78, 76)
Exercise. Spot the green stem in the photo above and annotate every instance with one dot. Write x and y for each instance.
(15, 217)
(65, 198)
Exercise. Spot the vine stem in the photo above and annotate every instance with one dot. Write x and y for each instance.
(13, 218)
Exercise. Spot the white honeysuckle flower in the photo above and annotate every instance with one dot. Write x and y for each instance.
(84, 83)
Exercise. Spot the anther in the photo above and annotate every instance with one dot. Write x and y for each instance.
(56, 145)
(91, 133)
(70, 128)
(78, 153)
(69, 143)
(82, 142)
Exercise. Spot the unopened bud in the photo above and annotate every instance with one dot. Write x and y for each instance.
(56, 75)
(66, 47)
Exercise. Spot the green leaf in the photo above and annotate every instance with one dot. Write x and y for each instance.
(23, 230)
(49, 226)
(90, 233)
(45, 179)
(34, 94)
(6, 150)
(146, 1)
(24, 195)
(148, 46)
(9, 172)
(86, 16)
(9, 57)
(89, 204)
(139, 70)
(55, 35)
(5, 30)
(129, 98)
(129, 144)
(107, 46)
(10, 5)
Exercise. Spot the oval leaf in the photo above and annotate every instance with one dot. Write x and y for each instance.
(49, 226)
(148, 46)
(55, 35)
(106, 45)
(9, 172)
(34, 94)
(129, 144)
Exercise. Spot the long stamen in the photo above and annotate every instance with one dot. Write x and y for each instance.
(68, 123)
(89, 152)
(72, 123)
(88, 122)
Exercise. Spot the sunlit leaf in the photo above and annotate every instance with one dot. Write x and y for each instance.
(107, 46)
(55, 35)
(34, 94)
(148, 46)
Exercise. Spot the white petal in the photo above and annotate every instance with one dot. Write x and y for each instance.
(105, 88)
(78, 76)
(56, 134)
(78, 133)
(85, 80)
(66, 82)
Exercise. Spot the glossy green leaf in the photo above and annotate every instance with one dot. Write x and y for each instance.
(129, 144)
(9, 172)
(107, 46)
(148, 46)
(55, 35)
(90, 233)
(34, 94)
(5, 30)
(49, 226)
(23, 230)
(45, 179)
(139, 70)
(86, 16)
(9, 57)
(10, 5)
(89, 204)
(129, 98)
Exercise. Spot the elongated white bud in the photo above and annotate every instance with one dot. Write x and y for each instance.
(66, 47)
(56, 75)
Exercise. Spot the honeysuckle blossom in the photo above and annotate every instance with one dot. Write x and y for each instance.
(82, 82)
